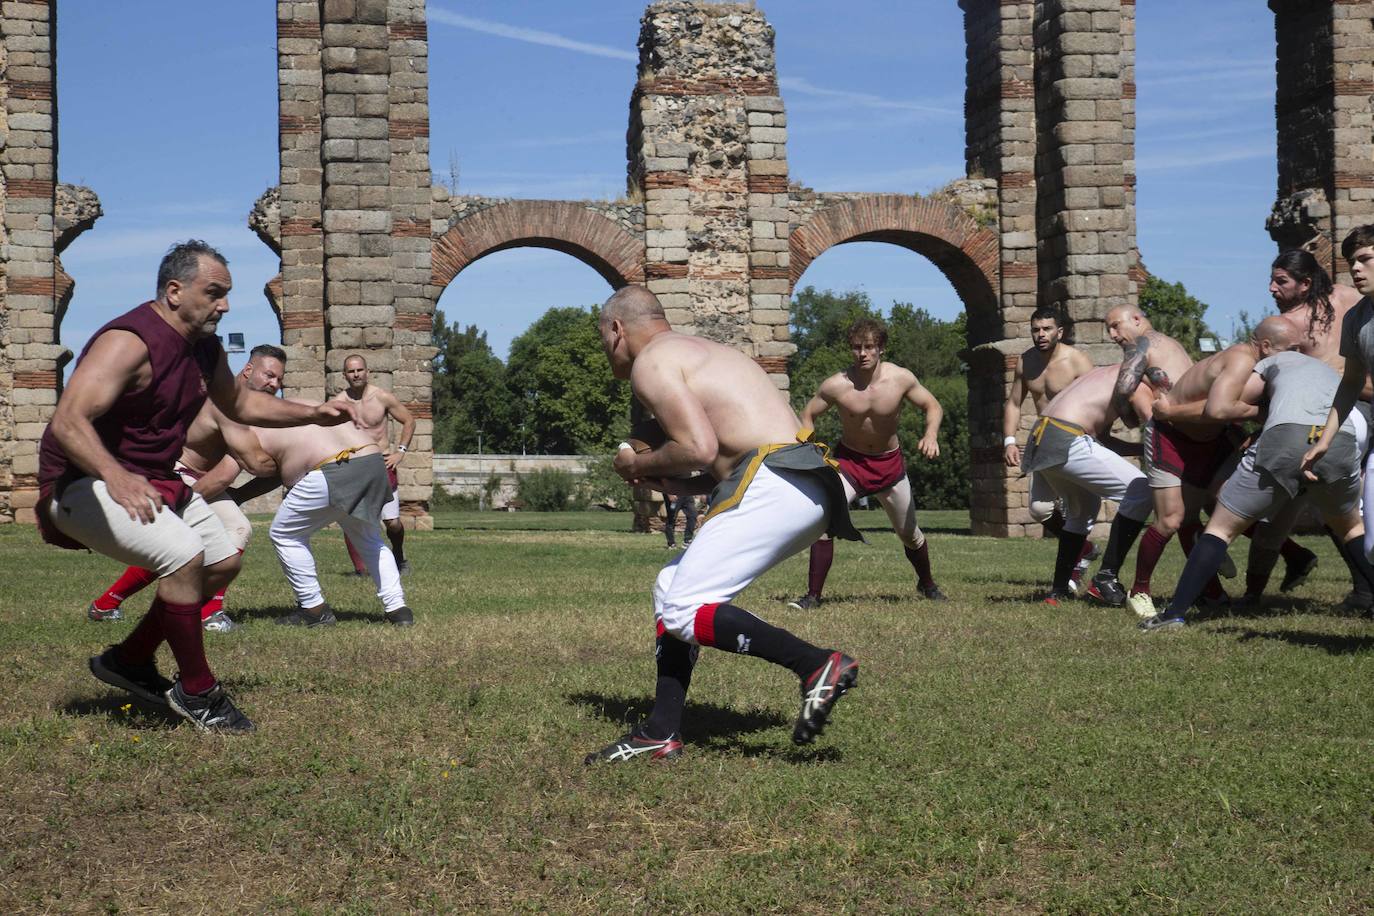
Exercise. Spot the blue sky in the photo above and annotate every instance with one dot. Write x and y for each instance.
(168, 111)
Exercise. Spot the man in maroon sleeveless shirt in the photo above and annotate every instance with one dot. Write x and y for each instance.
(107, 481)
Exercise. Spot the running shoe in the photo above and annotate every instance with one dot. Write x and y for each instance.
(143, 681)
(300, 617)
(401, 617)
(1056, 597)
(1105, 588)
(1159, 622)
(820, 692)
(211, 711)
(637, 744)
(103, 615)
(403, 568)
(1142, 604)
(806, 603)
(1296, 572)
(218, 622)
(932, 592)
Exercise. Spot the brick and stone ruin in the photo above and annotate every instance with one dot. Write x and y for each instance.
(712, 219)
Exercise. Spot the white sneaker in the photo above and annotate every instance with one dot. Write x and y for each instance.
(219, 622)
(1142, 604)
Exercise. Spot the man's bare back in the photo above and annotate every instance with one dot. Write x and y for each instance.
(869, 414)
(1044, 379)
(1087, 402)
(1198, 381)
(739, 402)
(1324, 341)
(298, 449)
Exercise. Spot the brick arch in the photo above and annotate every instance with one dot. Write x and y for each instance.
(966, 253)
(595, 240)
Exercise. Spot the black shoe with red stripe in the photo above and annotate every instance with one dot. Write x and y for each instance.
(637, 744)
(820, 692)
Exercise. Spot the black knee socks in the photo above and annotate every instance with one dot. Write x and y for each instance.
(1070, 549)
(1119, 543)
(734, 629)
(1361, 573)
(1202, 565)
(675, 660)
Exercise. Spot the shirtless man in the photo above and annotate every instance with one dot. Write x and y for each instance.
(1269, 479)
(1306, 297)
(1357, 347)
(1214, 394)
(332, 474)
(776, 494)
(107, 481)
(216, 450)
(870, 395)
(1043, 371)
(1157, 359)
(1071, 447)
(374, 406)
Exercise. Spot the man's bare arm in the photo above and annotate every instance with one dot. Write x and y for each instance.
(111, 366)
(247, 450)
(257, 408)
(1226, 398)
(1131, 374)
(1011, 413)
(920, 396)
(692, 443)
(218, 478)
(401, 414)
(814, 408)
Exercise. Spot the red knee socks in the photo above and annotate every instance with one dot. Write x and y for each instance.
(127, 585)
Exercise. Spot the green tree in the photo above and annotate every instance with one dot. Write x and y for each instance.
(470, 393)
(571, 404)
(925, 344)
(1172, 311)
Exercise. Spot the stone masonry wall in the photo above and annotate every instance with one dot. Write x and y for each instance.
(1325, 75)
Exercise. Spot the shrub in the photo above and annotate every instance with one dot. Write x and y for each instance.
(602, 486)
(547, 490)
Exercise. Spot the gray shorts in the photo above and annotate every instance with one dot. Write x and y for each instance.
(1252, 493)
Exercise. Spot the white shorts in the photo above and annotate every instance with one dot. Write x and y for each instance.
(391, 509)
(87, 514)
(781, 513)
(1091, 474)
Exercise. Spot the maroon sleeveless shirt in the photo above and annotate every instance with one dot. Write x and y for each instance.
(144, 430)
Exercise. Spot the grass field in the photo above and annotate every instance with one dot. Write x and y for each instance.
(998, 755)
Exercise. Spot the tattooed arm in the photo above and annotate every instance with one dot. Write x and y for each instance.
(1129, 377)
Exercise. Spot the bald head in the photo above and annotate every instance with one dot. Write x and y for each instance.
(1278, 331)
(355, 360)
(631, 305)
(1126, 312)
(1125, 323)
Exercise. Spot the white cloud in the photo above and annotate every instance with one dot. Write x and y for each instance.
(1193, 159)
(863, 99)
(532, 36)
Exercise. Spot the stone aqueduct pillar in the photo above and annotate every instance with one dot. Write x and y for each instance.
(1325, 76)
(712, 222)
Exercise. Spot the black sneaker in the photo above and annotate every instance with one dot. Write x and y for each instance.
(1356, 603)
(211, 711)
(806, 603)
(820, 692)
(300, 617)
(1107, 589)
(401, 617)
(143, 681)
(1159, 622)
(403, 568)
(1296, 573)
(932, 592)
(103, 615)
(637, 744)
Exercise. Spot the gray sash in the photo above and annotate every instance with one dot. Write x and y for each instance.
(358, 486)
(1280, 449)
(798, 456)
(1048, 444)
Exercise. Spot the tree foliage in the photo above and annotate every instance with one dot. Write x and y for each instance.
(1174, 312)
(470, 397)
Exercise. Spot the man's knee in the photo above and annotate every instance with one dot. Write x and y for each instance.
(913, 539)
(1041, 510)
(394, 528)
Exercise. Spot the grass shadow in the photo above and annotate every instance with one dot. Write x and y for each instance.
(1330, 643)
(271, 613)
(111, 706)
(707, 723)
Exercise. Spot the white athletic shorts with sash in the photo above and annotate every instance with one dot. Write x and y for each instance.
(1091, 473)
(780, 513)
